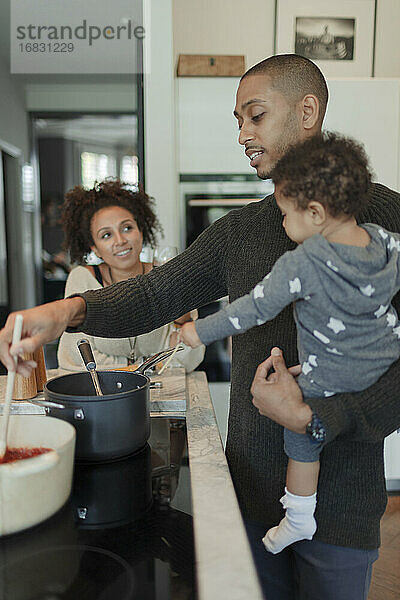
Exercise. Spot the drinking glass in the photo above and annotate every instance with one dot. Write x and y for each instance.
(163, 254)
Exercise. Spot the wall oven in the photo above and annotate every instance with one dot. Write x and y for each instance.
(204, 199)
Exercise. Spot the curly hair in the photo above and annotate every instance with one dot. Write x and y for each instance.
(80, 205)
(328, 168)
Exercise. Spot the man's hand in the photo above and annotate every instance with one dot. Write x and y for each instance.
(41, 324)
(278, 396)
(188, 335)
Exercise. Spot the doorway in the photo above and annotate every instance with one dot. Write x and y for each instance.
(18, 264)
(77, 149)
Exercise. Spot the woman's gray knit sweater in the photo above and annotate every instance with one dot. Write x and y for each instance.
(230, 257)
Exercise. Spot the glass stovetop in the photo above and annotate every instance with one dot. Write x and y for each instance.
(125, 534)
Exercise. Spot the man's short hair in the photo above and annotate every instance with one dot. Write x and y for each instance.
(328, 168)
(294, 76)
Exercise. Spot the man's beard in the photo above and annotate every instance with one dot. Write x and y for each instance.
(291, 138)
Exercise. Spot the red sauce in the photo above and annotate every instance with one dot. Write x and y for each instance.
(13, 454)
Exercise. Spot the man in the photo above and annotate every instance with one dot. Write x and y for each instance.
(279, 102)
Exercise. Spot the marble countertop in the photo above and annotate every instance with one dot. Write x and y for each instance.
(224, 565)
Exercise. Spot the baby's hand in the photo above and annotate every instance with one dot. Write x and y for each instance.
(188, 335)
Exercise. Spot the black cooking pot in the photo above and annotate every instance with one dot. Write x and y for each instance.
(110, 426)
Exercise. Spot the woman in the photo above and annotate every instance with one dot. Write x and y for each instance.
(113, 222)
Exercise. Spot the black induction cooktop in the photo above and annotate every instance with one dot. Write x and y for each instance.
(125, 534)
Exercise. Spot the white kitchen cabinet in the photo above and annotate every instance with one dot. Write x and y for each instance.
(392, 461)
(367, 109)
(207, 130)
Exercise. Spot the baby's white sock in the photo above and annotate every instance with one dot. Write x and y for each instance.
(298, 523)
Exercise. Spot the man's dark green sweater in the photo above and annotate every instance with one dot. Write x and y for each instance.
(230, 257)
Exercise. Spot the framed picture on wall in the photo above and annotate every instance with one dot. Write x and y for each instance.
(338, 36)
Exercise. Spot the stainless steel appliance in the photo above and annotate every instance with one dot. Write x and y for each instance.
(204, 199)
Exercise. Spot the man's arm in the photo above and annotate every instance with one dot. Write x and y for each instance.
(41, 324)
(132, 307)
(190, 280)
(369, 415)
(264, 302)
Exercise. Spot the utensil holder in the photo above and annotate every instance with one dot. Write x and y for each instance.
(25, 387)
(40, 371)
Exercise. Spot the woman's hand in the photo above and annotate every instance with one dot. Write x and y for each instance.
(188, 335)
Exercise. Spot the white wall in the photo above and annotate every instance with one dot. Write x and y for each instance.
(247, 27)
(387, 49)
(224, 27)
(352, 110)
(160, 135)
(208, 134)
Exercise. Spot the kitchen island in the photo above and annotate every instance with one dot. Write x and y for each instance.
(223, 561)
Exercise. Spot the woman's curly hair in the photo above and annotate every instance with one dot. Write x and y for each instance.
(328, 168)
(80, 205)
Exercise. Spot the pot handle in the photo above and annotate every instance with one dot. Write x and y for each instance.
(86, 354)
(90, 364)
(156, 358)
(36, 464)
(46, 403)
(79, 414)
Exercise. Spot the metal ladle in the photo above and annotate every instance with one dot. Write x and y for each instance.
(88, 358)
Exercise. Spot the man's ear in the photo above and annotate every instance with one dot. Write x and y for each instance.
(316, 212)
(310, 111)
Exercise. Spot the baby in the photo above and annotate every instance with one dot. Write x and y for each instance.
(341, 280)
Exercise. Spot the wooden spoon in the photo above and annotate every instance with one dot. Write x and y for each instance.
(9, 389)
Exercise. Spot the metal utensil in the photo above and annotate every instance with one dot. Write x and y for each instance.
(177, 348)
(156, 358)
(10, 386)
(90, 364)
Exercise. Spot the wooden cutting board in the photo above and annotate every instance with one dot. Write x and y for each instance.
(172, 395)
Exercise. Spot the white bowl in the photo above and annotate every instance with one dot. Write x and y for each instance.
(33, 489)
